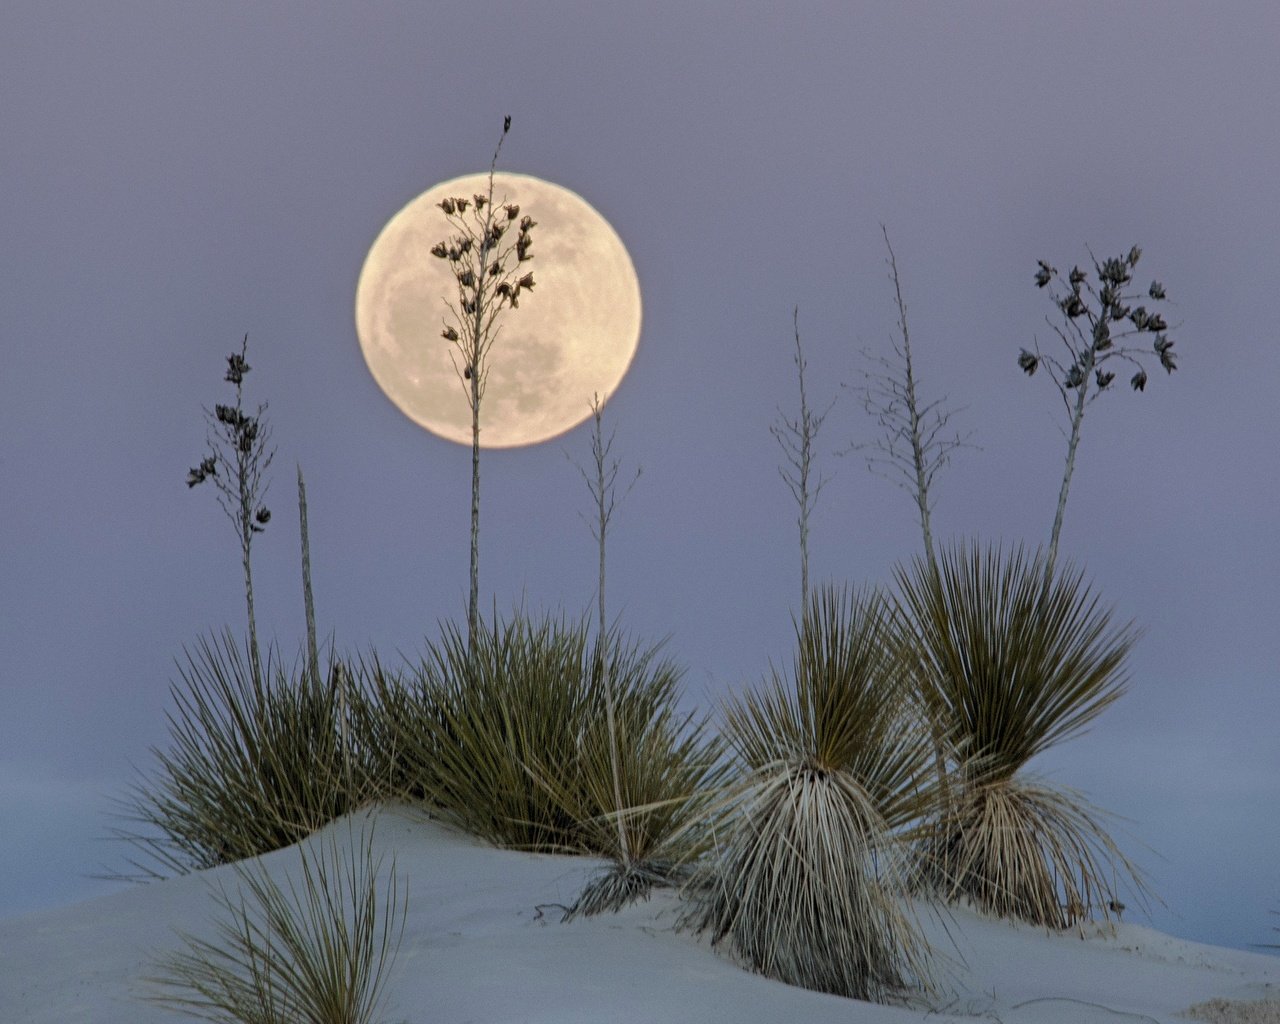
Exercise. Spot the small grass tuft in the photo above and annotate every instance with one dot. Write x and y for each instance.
(315, 948)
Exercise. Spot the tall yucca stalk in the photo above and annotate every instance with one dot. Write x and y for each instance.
(811, 866)
(486, 252)
(1009, 658)
(238, 460)
(1096, 322)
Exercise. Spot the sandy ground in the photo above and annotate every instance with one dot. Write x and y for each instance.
(1237, 1011)
(483, 943)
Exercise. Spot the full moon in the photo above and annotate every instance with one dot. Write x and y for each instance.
(571, 338)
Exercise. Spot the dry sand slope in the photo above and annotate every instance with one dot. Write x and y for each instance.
(483, 943)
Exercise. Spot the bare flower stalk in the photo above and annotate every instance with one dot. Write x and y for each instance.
(795, 437)
(911, 446)
(488, 266)
(602, 483)
(1089, 312)
(238, 447)
(338, 679)
(308, 601)
(914, 443)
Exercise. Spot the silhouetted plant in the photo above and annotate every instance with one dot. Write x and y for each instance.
(1095, 317)
(1008, 661)
(636, 790)
(315, 948)
(238, 459)
(487, 253)
(911, 447)
(795, 437)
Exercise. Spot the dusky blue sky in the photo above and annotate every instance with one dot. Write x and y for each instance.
(176, 175)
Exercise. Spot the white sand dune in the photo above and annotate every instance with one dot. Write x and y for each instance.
(483, 943)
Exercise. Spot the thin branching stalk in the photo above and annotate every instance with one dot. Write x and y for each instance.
(602, 483)
(796, 438)
(914, 442)
(308, 600)
(915, 439)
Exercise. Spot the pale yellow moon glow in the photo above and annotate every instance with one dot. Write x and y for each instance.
(572, 337)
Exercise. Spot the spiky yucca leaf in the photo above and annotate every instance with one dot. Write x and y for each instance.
(622, 883)
(636, 790)
(482, 714)
(842, 706)
(392, 753)
(1009, 659)
(1009, 662)
(1022, 849)
(811, 868)
(314, 948)
(252, 767)
(808, 882)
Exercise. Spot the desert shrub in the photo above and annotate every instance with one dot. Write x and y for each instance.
(508, 739)
(811, 864)
(1009, 658)
(314, 948)
(251, 767)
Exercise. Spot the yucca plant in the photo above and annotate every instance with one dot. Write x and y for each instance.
(252, 767)
(507, 737)
(385, 711)
(478, 711)
(636, 791)
(315, 948)
(1009, 659)
(812, 867)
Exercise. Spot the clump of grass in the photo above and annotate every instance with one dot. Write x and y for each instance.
(1009, 658)
(467, 721)
(811, 864)
(315, 948)
(252, 767)
(509, 739)
(636, 789)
